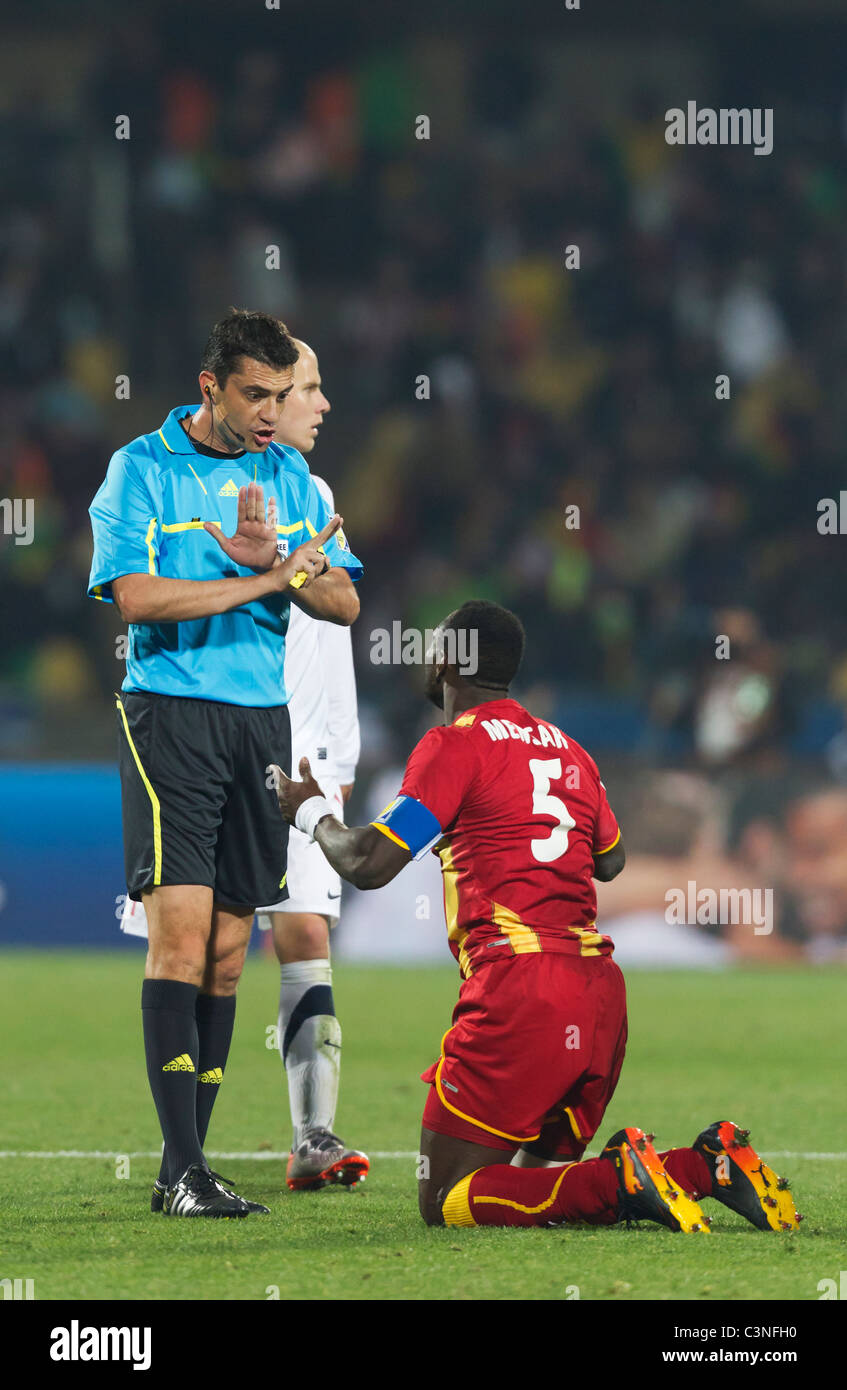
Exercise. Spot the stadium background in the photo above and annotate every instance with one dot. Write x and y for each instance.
(549, 387)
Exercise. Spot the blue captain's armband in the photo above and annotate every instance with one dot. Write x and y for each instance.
(409, 824)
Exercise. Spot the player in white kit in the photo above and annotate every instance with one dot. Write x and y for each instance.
(321, 687)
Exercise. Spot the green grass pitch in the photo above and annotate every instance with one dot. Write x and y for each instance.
(764, 1048)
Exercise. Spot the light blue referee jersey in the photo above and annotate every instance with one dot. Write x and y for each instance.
(147, 518)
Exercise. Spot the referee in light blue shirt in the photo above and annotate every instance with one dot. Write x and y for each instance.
(205, 532)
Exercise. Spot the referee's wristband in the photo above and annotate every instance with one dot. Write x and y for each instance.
(310, 812)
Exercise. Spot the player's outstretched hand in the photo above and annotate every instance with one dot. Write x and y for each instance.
(309, 560)
(253, 544)
(291, 795)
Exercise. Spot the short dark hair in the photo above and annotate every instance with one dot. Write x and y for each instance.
(247, 333)
(500, 641)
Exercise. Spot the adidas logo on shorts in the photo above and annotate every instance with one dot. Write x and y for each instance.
(181, 1063)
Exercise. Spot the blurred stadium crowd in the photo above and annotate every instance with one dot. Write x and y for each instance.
(549, 387)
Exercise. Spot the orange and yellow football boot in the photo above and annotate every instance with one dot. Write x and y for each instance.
(743, 1181)
(647, 1193)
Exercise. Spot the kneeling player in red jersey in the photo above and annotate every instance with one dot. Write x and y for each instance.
(520, 819)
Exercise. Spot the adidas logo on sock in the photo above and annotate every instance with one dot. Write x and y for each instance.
(228, 490)
(181, 1063)
(214, 1077)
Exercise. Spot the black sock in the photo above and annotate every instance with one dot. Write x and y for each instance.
(215, 1021)
(215, 1018)
(171, 1048)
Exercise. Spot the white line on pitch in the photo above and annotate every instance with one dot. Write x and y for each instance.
(157, 1153)
(788, 1153)
(274, 1156)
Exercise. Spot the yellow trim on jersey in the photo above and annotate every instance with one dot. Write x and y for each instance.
(573, 1124)
(151, 554)
(312, 532)
(522, 938)
(455, 933)
(154, 800)
(196, 474)
(489, 1129)
(608, 847)
(588, 940)
(188, 525)
(390, 833)
(519, 1206)
(96, 592)
(172, 451)
(286, 530)
(456, 1207)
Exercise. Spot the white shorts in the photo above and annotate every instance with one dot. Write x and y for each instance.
(313, 884)
(134, 918)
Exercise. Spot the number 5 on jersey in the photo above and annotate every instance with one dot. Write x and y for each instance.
(552, 846)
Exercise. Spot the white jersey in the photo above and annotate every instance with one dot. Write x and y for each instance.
(321, 687)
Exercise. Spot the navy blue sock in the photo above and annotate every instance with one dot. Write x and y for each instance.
(215, 1015)
(172, 1051)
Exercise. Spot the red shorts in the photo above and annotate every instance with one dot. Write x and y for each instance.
(533, 1056)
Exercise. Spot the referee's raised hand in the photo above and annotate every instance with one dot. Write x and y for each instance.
(253, 544)
(308, 560)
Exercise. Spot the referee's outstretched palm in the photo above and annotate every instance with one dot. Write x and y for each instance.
(254, 543)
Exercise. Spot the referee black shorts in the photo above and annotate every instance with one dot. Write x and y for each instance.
(197, 804)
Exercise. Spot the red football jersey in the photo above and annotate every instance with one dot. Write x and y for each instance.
(523, 811)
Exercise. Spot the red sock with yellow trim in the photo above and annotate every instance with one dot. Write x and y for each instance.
(690, 1170)
(501, 1195)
